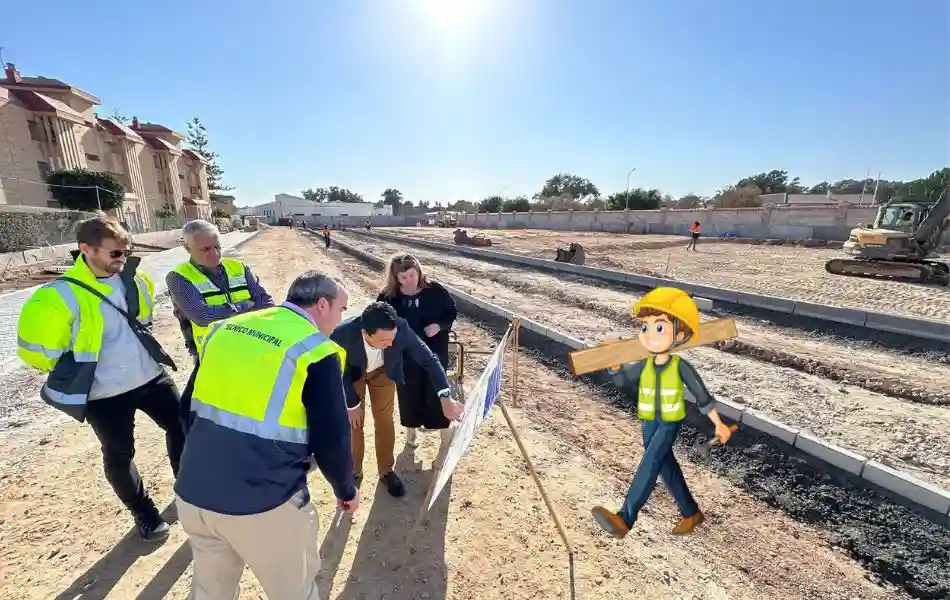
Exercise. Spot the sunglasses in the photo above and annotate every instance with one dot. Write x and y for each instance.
(406, 259)
(118, 253)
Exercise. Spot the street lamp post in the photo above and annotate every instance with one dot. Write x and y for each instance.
(626, 197)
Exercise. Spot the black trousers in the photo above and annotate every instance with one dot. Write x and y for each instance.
(113, 421)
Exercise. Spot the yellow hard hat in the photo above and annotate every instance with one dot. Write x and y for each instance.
(673, 302)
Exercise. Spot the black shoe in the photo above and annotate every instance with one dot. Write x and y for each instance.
(359, 479)
(152, 528)
(393, 484)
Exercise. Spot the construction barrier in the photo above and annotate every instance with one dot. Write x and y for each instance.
(930, 501)
(916, 327)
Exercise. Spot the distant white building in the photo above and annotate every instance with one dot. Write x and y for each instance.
(286, 206)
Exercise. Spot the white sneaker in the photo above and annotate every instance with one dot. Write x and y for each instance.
(412, 437)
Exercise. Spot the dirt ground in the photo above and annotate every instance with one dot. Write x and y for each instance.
(63, 535)
(788, 271)
(900, 433)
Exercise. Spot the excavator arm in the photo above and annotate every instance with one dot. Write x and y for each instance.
(935, 223)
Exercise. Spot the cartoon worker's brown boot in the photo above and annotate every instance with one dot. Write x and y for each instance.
(688, 524)
(610, 522)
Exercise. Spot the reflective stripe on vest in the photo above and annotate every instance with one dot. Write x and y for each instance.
(669, 396)
(213, 295)
(73, 367)
(271, 349)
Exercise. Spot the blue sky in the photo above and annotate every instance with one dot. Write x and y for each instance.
(370, 94)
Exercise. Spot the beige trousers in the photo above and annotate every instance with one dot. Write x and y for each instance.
(280, 547)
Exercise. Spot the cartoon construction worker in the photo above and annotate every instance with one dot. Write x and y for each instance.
(669, 318)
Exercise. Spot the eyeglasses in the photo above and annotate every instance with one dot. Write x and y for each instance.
(118, 253)
(406, 259)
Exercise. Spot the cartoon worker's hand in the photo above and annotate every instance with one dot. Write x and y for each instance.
(612, 341)
(724, 432)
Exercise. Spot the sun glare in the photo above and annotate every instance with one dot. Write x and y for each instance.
(452, 15)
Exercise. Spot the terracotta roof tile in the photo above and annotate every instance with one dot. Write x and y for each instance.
(118, 129)
(194, 155)
(159, 144)
(39, 103)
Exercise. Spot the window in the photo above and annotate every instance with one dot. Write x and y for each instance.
(36, 131)
(195, 191)
(180, 176)
(161, 186)
(94, 157)
(157, 160)
(44, 168)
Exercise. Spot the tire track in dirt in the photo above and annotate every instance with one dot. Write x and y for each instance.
(909, 436)
(894, 543)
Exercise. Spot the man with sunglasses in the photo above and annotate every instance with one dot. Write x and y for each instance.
(208, 288)
(89, 331)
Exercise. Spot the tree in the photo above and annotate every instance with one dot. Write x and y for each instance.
(689, 201)
(747, 196)
(392, 197)
(491, 204)
(85, 190)
(773, 182)
(337, 194)
(197, 138)
(315, 195)
(119, 118)
(462, 206)
(636, 199)
(930, 187)
(519, 204)
(567, 184)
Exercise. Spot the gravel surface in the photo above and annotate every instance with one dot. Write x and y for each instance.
(487, 537)
(788, 271)
(895, 544)
(906, 435)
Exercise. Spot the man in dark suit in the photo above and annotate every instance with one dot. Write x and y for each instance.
(376, 343)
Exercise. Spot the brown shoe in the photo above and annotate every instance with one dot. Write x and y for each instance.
(610, 522)
(688, 524)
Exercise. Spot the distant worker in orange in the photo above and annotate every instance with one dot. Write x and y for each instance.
(694, 230)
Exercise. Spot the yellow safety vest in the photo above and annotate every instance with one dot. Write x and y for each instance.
(213, 295)
(60, 331)
(670, 393)
(253, 367)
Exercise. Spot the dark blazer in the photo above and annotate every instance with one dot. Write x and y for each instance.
(349, 335)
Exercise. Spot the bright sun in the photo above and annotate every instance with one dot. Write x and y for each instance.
(452, 15)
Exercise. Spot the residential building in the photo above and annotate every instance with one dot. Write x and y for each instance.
(223, 203)
(46, 125)
(286, 206)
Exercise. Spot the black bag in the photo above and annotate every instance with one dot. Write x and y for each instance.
(151, 345)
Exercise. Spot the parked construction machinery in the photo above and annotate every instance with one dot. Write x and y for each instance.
(463, 239)
(574, 254)
(901, 245)
(446, 219)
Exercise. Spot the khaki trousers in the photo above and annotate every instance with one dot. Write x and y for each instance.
(280, 547)
(382, 394)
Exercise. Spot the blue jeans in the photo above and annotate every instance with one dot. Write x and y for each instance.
(658, 460)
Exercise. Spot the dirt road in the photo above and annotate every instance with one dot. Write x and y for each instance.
(908, 435)
(788, 271)
(63, 533)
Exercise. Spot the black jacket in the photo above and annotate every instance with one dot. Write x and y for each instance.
(349, 335)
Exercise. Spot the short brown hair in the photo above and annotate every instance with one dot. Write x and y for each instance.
(679, 325)
(93, 231)
(400, 263)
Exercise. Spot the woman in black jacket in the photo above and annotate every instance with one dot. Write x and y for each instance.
(430, 311)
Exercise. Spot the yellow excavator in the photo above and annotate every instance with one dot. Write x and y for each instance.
(901, 245)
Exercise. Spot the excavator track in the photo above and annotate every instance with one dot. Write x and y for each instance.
(909, 272)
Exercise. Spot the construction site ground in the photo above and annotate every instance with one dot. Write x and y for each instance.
(63, 534)
(789, 271)
(780, 371)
